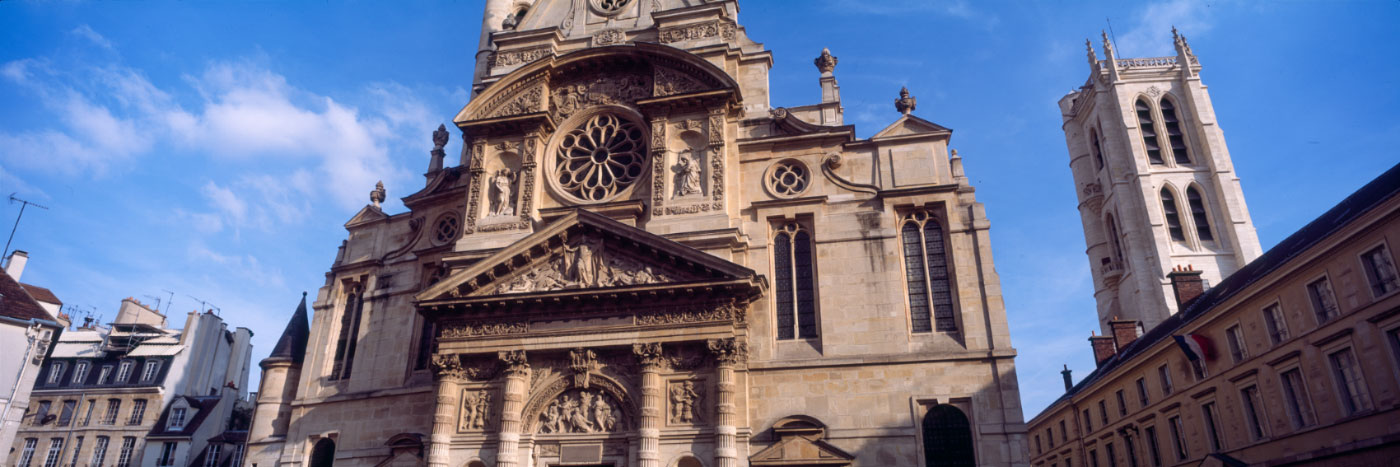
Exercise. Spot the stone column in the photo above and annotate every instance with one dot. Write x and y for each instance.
(517, 384)
(448, 375)
(728, 353)
(651, 359)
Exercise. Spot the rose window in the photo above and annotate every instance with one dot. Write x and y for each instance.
(610, 7)
(600, 158)
(446, 229)
(788, 178)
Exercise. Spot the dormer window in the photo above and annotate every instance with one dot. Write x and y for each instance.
(80, 372)
(104, 374)
(124, 371)
(149, 374)
(55, 372)
(177, 419)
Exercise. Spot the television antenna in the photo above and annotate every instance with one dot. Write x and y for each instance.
(17, 218)
(169, 301)
(155, 299)
(205, 305)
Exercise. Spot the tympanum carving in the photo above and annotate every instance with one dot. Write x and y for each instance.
(584, 264)
(582, 411)
(612, 88)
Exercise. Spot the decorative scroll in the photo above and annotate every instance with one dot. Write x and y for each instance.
(583, 411)
(527, 174)
(658, 163)
(609, 37)
(717, 157)
(721, 29)
(474, 179)
(476, 410)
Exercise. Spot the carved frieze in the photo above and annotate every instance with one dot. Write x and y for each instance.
(691, 315)
(583, 411)
(460, 330)
(721, 29)
(475, 410)
(516, 57)
(609, 37)
(584, 264)
(608, 88)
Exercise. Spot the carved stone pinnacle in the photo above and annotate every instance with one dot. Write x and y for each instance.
(826, 63)
(377, 196)
(905, 103)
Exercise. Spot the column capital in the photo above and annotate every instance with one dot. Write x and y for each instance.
(729, 351)
(515, 362)
(649, 355)
(448, 367)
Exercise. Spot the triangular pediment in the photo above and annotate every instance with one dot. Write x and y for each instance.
(370, 213)
(911, 125)
(800, 450)
(582, 253)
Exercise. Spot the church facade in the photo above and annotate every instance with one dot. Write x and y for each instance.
(637, 261)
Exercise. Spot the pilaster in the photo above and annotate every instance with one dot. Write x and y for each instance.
(651, 359)
(448, 375)
(728, 353)
(517, 371)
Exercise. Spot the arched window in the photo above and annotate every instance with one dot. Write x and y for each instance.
(1096, 148)
(1172, 121)
(947, 438)
(1113, 238)
(926, 273)
(1198, 214)
(1149, 133)
(1173, 218)
(689, 461)
(349, 335)
(323, 454)
(792, 271)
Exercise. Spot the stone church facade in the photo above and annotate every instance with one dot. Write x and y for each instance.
(637, 261)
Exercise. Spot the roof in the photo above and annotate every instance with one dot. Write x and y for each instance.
(17, 303)
(203, 406)
(292, 344)
(77, 350)
(41, 294)
(1373, 194)
(156, 350)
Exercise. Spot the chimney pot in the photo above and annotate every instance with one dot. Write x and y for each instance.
(1124, 332)
(1069, 382)
(1186, 285)
(15, 266)
(1103, 348)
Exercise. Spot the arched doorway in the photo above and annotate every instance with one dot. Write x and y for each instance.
(323, 454)
(947, 438)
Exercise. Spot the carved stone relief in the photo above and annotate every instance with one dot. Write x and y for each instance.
(684, 398)
(583, 362)
(609, 37)
(670, 82)
(584, 264)
(721, 29)
(475, 411)
(516, 57)
(583, 411)
(522, 103)
(460, 330)
(610, 88)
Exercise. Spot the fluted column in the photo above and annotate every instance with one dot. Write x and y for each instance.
(448, 375)
(651, 359)
(728, 353)
(517, 371)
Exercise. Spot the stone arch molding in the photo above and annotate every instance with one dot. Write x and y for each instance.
(565, 389)
(560, 86)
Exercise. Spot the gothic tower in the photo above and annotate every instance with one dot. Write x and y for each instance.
(1157, 190)
(280, 372)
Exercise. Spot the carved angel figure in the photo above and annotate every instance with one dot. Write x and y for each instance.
(503, 180)
(687, 175)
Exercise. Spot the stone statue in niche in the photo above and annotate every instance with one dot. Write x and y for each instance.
(581, 412)
(475, 405)
(503, 182)
(687, 174)
(684, 398)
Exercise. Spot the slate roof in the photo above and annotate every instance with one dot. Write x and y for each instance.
(1373, 194)
(292, 344)
(41, 294)
(203, 407)
(17, 303)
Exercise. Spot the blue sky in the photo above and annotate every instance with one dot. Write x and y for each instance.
(215, 149)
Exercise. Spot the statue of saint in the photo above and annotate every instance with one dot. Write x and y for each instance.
(503, 179)
(687, 175)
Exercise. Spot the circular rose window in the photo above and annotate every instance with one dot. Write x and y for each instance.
(610, 7)
(788, 178)
(600, 158)
(445, 229)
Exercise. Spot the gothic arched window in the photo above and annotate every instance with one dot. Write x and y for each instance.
(926, 273)
(1198, 214)
(792, 272)
(1149, 133)
(947, 438)
(1113, 238)
(1172, 121)
(1173, 218)
(1096, 148)
(323, 453)
(349, 334)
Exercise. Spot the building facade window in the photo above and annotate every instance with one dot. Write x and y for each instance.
(1064, 433)
(1254, 417)
(80, 372)
(1351, 386)
(1295, 398)
(1171, 121)
(794, 282)
(113, 407)
(1122, 403)
(1143, 400)
(1380, 271)
(55, 373)
(1392, 337)
(1275, 324)
(1111, 454)
(149, 373)
(1173, 217)
(104, 374)
(27, 455)
(177, 418)
(1198, 368)
(1103, 412)
(1154, 453)
(1323, 301)
(1198, 214)
(1177, 431)
(87, 414)
(1165, 375)
(65, 416)
(211, 456)
(41, 414)
(55, 452)
(1234, 338)
(1149, 133)
(77, 448)
(124, 371)
(1115, 240)
(1210, 418)
(947, 436)
(99, 451)
(1094, 457)
(167, 454)
(237, 459)
(1096, 148)
(138, 412)
(349, 334)
(926, 273)
(124, 457)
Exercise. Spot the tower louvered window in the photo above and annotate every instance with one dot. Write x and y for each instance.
(1097, 149)
(1173, 218)
(1198, 214)
(926, 273)
(349, 335)
(792, 272)
(1149, 133)
(1172, 121)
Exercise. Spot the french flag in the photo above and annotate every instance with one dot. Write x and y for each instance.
(1195, 346)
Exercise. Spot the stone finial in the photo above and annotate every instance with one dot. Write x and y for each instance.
(1108, 51)
(440, 137)
(826, 62)
(377, 196)
(906, 102)
(1093, 57)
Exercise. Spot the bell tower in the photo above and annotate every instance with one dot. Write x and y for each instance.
(1155, 184)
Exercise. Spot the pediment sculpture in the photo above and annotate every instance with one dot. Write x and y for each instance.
(585, 263)
(583, 411)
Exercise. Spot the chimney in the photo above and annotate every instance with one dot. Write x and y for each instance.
(1103, 348)
(1186, 284)
(15, 267)
(1124, 332)
(1069, 382)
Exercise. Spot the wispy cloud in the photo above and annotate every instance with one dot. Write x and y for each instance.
(1150, 34)
(84, 31)
(959, 9)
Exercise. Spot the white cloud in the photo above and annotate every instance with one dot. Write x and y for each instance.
(247, 266)
(1151, 33)
(960, 9)
(84, 31)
